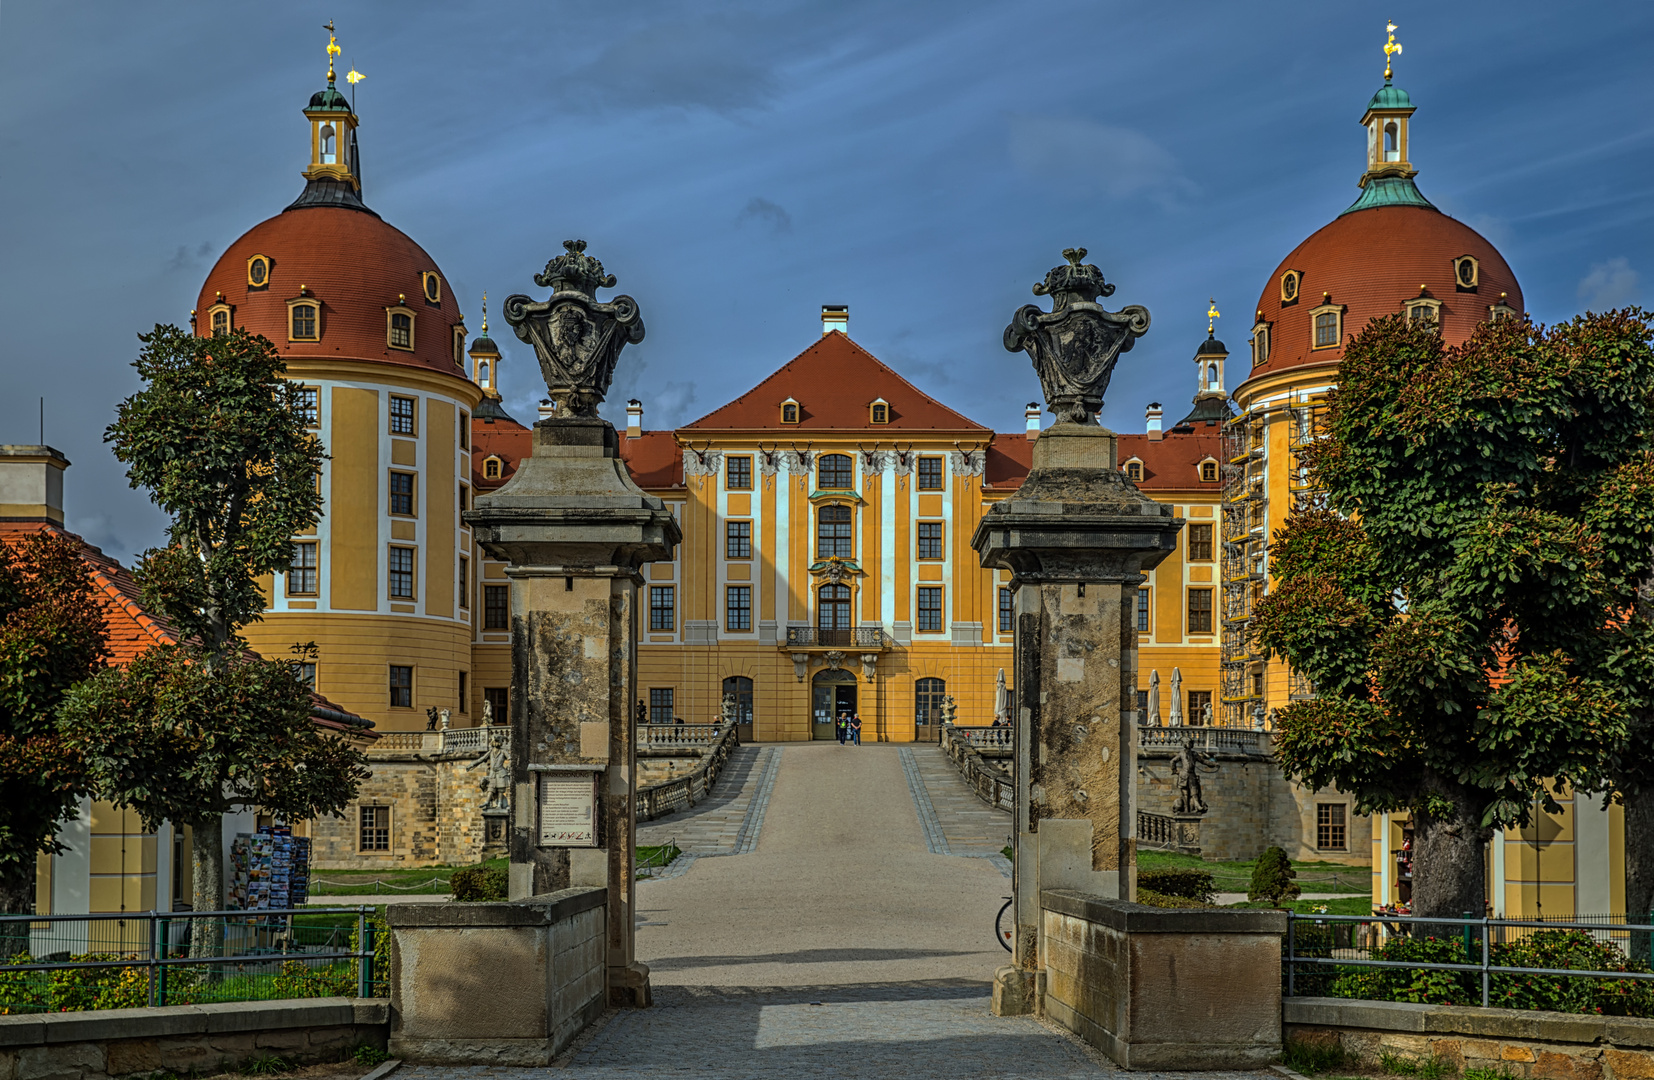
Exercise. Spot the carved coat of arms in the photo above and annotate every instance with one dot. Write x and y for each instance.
(576, 338)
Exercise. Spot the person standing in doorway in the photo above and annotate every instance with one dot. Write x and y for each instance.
(840, 728)
(855, 728)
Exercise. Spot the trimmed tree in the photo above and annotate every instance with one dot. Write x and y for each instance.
(219, 438)
(52, 635)
(1272, 878)
(1468, 604)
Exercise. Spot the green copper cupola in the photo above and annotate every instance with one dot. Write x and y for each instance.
(1388, 180)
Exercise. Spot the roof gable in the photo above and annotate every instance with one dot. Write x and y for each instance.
(834, 381)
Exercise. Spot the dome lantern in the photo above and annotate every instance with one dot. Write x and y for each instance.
(334, 177)
(1388, 179)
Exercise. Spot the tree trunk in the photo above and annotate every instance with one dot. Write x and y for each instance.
(1449, 872)
(1639, 866)
(207, 867)
(17, 890)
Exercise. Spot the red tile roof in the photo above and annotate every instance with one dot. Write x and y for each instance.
(834, 381)
(1173, 463)
(655, 459)
(1009, 457)
(1372, 260)
(503, 438)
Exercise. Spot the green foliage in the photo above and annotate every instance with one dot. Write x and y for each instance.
(1569, 949)
(1272, 878)
(218, 437)
(1485, 1073)
(174, 740)
(1467, 603)
(266, 1066)
(1150, 898)
(52, 635)
(480, 883)
(1417, 985)
(369, 1055)
(1189, 884)
(379, 985)
(297, 979)
(1313, 1058)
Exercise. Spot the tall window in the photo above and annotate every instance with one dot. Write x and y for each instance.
(833, 533)
(303, 326)
(220, 323)
(663, 614)
(1200, 611)
(464, 582)
(376, 828)
(1200, 543)
(1199, 702)
(305, 670)
(737, 539)
(402, 416)
(402, 493)
(739, 687)
(1260, 343)
(499, 701)
(401, 686)
(301, 572)
(930, 539)
(834, 472)
(1209, 471)
(464, 502)
(833, 607)
(402, 573)
(401, 330)
(1142, 611)
(1326, 329)
(308, 407)
(1007, 610)
(464, 691)
(491, 469)
(930, 474)
(930, 610)
(927, 700)
(1331, 833)
(496, 607)
(660, 704)
(737, 607)
(739, 477)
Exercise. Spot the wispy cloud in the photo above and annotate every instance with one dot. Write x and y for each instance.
(1086, 157)
(1609, 285)
(184, 259)
(770, 215)
(719, 63)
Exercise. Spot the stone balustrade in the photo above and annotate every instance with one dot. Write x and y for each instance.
(685, 791)
(461, 741)
(671, 736)
(992, 785)
(982, 738)
(1212, 740)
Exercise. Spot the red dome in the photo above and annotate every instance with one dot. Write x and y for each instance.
(1371, 261)
(355, 266)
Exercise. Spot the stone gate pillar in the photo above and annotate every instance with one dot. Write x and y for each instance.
(575, 532)
(1077, 538)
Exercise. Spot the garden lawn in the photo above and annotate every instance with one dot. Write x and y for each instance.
(1319, 877)
(387, 883)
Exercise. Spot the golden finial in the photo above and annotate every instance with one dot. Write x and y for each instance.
(1391, 47)
(1212, 315)
(485, 314)
(353, 76)
(332, 49)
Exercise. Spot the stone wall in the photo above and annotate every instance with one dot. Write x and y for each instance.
(186, 1039)
(1254, 806)
(1517, 1043)
(496, 984)
(436, 805)
(1158, 988)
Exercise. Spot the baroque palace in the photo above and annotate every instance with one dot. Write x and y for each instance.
(827, 513)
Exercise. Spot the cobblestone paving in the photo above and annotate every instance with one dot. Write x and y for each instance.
(728, 823)
(959, 822)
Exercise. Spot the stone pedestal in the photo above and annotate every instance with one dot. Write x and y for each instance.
(575, 533)
(1077, 538)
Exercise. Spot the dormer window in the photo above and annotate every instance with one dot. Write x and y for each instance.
(258, 271)
(431, 286)
(399, 328)
(878, 412)
(1260, 344)
(1501, 311)
(1467, 273)
(1291, 282)
(1209, 471)
(789, 411)
(1326, 324)
(491, 468)
(303, 320)
(1134, 470)
(459, 347)
(218, 317)
(1423, 312)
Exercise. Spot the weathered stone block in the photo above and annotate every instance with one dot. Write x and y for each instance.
(8, 1065)
(63, 1061)
(1628, 1064)
(127, 1056)
(1516, 1053)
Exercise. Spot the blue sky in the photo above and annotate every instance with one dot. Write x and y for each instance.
(738, 166)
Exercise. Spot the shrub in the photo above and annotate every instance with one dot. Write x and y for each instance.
(1272, 878)
(1150, 898)
(1559, 993)
(1420, 986)
(296, 979)
(380, 986)
(369, 1055)
(479, 883)
(1190, 884)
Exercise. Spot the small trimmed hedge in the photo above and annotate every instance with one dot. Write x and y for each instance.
(1189, 884)
(479, 883)
(1150, 898)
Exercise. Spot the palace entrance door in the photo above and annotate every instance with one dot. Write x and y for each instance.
(831, 693)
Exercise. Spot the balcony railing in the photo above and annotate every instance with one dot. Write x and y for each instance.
(472, 740)
(1209, 739)
(658, 736)
(819, 637)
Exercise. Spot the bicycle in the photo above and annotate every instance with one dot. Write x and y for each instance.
(1002, 935)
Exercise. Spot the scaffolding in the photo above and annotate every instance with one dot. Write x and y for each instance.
(1245, 564)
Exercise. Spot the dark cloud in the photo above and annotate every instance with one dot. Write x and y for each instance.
(766, 213)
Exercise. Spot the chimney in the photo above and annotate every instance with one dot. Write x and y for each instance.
(1032, 415)
(1153, 416)
(548, 408)
(634, 419)
(31, 483)
(835, 317)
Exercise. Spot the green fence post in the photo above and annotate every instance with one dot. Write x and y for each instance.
(1466, 937)
(362, 953)
(154, 953)
(161, 973)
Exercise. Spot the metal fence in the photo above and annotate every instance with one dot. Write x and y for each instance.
(54, 963)
(1318, 948)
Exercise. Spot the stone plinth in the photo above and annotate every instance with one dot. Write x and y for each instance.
(496, 984)
(1158, 988)
(1077, 538)
(575, 533)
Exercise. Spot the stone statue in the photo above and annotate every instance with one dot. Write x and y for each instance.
(1075, 345)
(729, 708)
(431, 718)
(1154, 699)
(497, 780)
(1176, 716)
(1002, 701)
(642, 713)
(1206, 714)
(1186, 768)
(487, 713)
(950, 709)
(446, 715)
(576, 338)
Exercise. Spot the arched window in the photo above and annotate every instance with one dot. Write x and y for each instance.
(740, 688)
(1211, 376)
(927, 700)
(833, 611)
(401, 336)
(220, 323)
(1392, 143)
(834, 473)
(482, 373)
(330, 153)
(833, 540)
